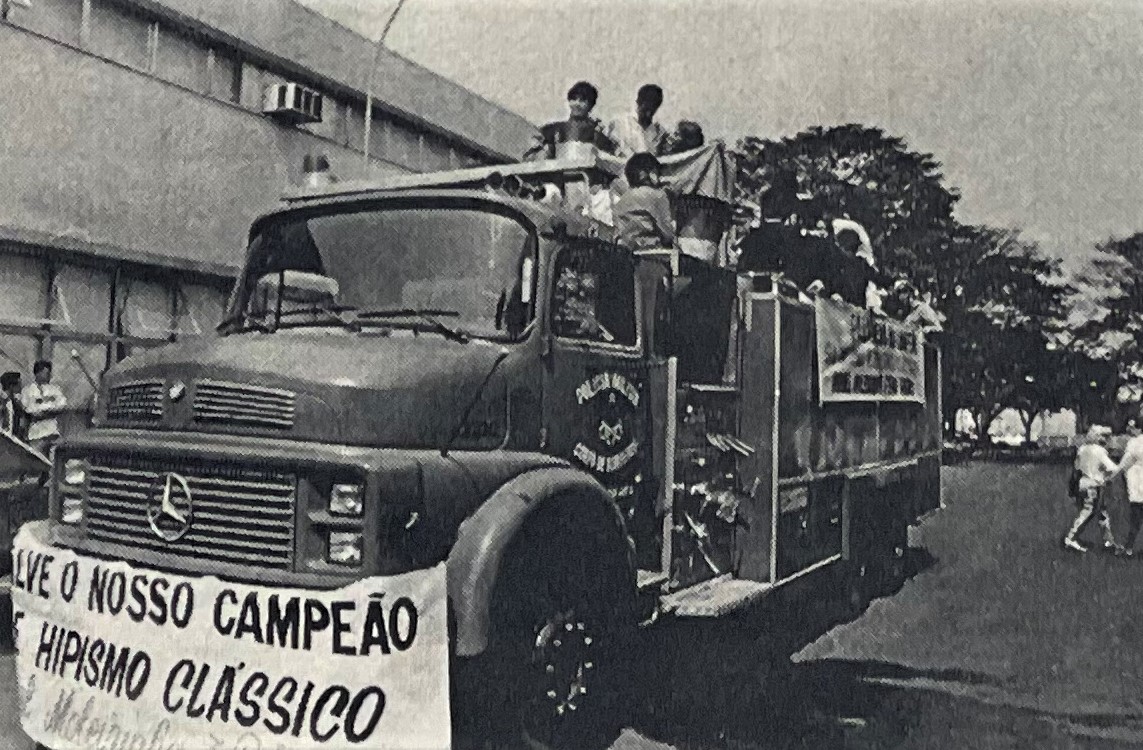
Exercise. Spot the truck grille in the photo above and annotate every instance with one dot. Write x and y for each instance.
(239, 515)
(238, 404)
(140, 401)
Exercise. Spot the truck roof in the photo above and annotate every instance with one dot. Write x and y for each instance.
(602, 167)
(540, 213)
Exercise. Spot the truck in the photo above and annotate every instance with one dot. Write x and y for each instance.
(462, 372)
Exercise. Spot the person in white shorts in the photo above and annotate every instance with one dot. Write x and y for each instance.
(1096, 468)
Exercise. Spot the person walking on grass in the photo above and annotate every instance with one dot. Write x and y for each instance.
(1132, 466)
(1095, 469)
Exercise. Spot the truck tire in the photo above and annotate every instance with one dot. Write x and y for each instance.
(559, 645)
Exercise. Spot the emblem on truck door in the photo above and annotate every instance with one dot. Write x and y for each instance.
(169, 506)
(609, 401)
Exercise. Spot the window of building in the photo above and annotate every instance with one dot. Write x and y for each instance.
(56, 19)
(143, 308)
(23, 290)
(200, 310)
(435, 153)
(120, 35)
(181, 60)
(81, 298)
(76, 368)
(355, 127)
(18, 353)
(402, 145)
(225, 76)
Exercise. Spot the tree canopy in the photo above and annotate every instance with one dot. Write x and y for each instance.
(1003, 299)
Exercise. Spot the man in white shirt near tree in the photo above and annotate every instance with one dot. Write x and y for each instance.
(43, 402)
(1132, 465)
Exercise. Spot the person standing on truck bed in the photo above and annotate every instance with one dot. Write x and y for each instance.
(13, 420)
(44, 402)
(580, 127)
(643, 218)
(638, 133)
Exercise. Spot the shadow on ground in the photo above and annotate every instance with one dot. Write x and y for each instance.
(731, 683)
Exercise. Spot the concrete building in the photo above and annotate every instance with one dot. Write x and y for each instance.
(134, 152)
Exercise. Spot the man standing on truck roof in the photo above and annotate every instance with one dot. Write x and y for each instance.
(44, 402)
(557, 138)
(639, 132)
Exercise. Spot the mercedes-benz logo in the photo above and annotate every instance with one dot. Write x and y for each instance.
(169, 506)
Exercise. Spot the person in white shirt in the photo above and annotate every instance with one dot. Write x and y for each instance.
(1095, 468)
(1132, 465)
(638, 133)
(43, 402)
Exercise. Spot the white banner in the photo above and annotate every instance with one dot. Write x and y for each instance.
(117, 657)
(867, 357)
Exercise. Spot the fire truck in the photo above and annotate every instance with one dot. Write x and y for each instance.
(465, 368)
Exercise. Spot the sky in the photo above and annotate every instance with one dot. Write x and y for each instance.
(1034, 109)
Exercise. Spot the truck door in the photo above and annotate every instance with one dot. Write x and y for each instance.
(598, 384)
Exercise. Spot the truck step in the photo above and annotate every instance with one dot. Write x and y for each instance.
(649, 579)
(714, 598)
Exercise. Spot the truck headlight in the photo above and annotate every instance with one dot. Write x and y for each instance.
(345, 547)
(345, 499)
(71, 509)
(74, 472)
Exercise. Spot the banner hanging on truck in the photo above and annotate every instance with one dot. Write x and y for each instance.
(867, 357)
(115, 656)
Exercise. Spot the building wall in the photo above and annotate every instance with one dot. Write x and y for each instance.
(134, 156)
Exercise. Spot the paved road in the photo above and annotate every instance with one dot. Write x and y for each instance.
(1000, 639)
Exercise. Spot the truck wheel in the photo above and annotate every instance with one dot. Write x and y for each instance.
(561, 644)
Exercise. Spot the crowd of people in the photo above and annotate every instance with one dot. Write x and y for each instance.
(31, 413)
(821, 254)
(629, 134)
(1091, 476)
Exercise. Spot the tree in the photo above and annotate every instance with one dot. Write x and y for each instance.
(1003, 299)
(1000, 295)
(1106, 327)
(861, 173)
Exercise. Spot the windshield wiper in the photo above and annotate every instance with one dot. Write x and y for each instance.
(425, 314)
(334, 315)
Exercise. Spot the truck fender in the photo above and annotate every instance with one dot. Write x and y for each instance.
(476, 559)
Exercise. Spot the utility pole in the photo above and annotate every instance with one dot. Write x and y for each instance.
(377, 45)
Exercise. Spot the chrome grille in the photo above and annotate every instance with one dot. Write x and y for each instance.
(140, 401)
(217, 402)
(239, 515)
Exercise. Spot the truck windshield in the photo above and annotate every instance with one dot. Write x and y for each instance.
(400, 265)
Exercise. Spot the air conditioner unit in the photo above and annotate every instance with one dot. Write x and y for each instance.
(292, 103)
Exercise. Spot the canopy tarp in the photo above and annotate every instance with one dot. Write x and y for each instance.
(708, 171)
